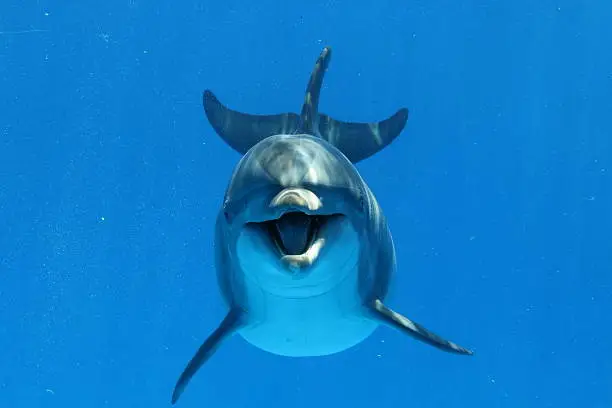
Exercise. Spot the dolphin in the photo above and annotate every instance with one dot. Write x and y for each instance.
(303, 253)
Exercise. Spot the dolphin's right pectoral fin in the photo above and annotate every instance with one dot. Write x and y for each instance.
(391, 318)
(242, 130)
(228, 326)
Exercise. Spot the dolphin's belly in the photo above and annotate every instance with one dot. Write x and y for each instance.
(312, 326)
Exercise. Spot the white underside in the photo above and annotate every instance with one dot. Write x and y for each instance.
(316, 314)
(317, 326)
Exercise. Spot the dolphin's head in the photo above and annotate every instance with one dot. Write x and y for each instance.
(293, 214)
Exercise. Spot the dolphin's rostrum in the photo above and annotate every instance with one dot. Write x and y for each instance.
(303, 253)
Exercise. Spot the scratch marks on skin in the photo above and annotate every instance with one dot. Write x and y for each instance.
(17, 32)
(375, 130)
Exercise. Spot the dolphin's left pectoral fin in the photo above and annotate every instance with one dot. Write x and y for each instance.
(228, 326)
(392, 318)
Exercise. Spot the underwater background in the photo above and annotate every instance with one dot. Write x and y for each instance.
(498, 194)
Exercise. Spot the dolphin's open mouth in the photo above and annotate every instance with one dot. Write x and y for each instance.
(299, 228)
(294, 232)
(297, 238)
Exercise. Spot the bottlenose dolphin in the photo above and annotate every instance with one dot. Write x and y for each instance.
(303, 253)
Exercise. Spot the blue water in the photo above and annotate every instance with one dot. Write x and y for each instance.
(498, 195)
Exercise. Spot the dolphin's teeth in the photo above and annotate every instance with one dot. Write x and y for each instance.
(299, 197)
(307, 258)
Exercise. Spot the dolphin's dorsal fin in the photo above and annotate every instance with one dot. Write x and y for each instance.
(310, 109)
(356, 140)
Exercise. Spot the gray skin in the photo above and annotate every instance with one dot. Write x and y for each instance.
(304, 255)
